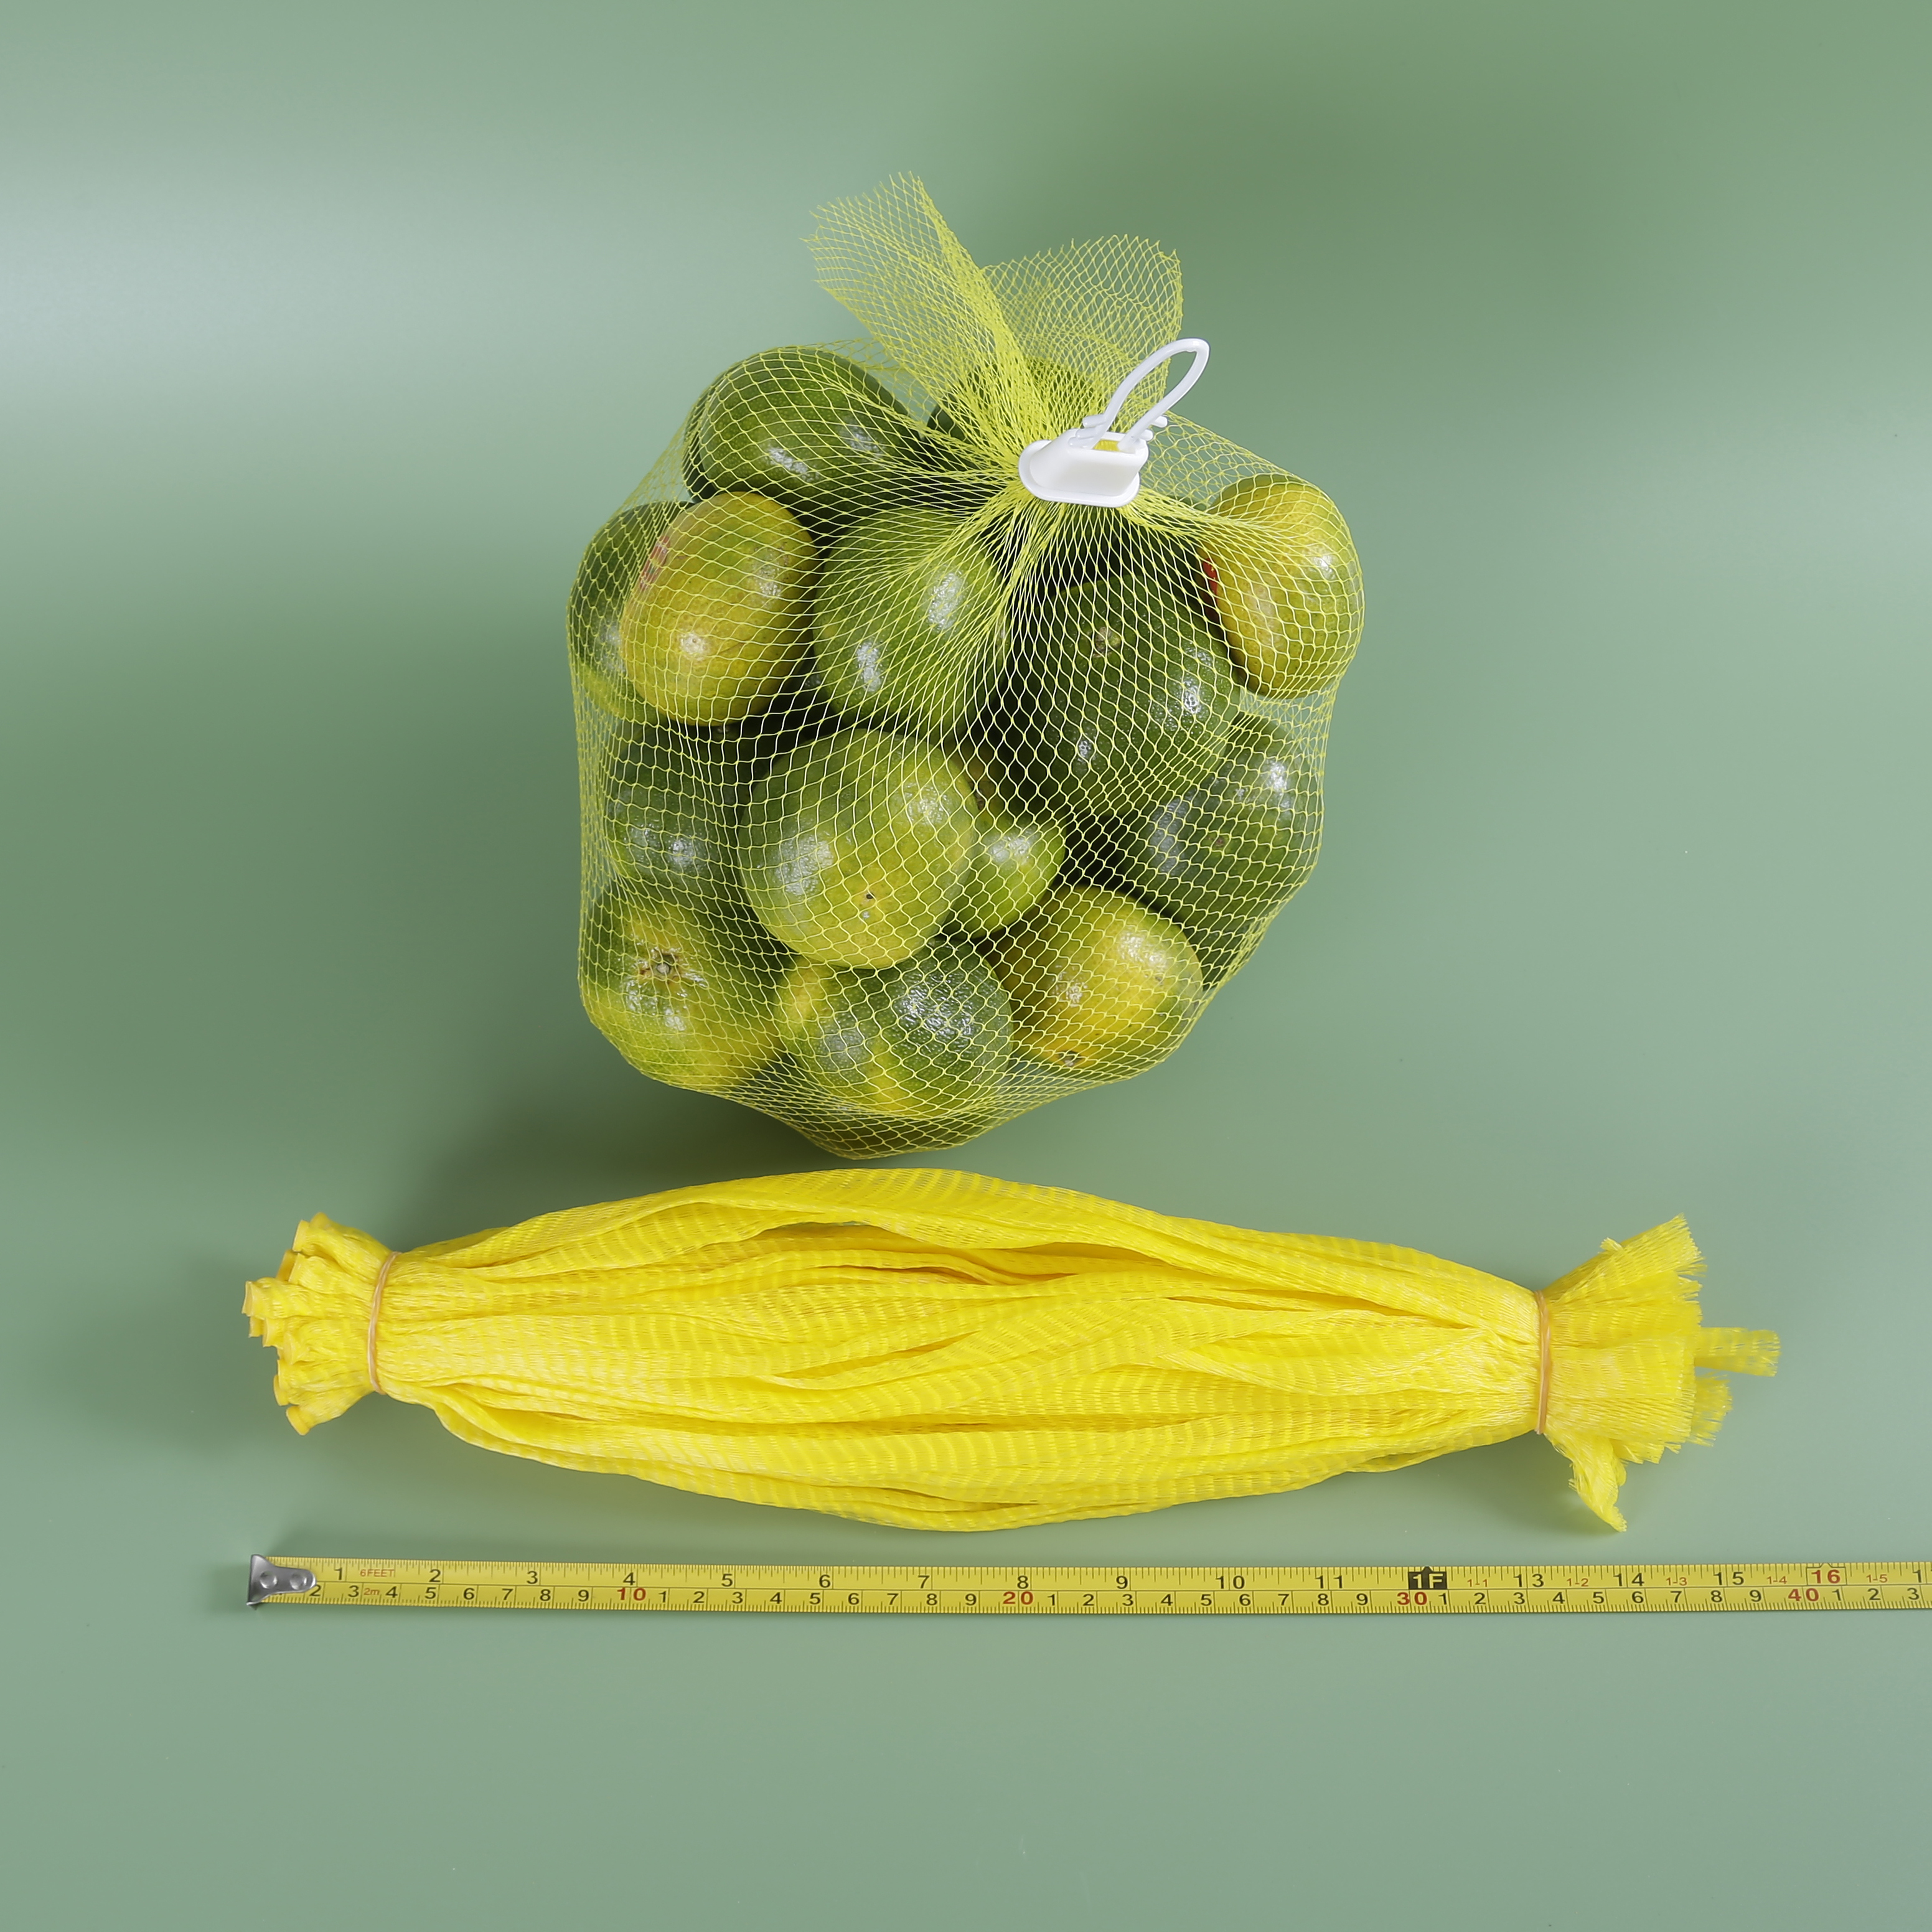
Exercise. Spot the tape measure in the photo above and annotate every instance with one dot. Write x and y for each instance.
(908, 1589)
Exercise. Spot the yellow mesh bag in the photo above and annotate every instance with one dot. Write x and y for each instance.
(944, 1352)
(912, 800)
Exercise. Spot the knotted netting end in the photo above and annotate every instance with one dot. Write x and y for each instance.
(1627, 1343)
(315, 1312)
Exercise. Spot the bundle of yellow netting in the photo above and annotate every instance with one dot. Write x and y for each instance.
(945, 1352)
(951, 713)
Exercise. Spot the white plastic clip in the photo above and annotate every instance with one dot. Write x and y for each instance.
(1095, 464)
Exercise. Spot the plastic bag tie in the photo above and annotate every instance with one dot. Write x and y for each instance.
(1543, 1365)
(376, 1310)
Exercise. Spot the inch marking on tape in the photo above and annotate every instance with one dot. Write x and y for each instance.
(846, 1589)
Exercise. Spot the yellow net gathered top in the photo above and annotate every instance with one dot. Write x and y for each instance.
(942, 1350)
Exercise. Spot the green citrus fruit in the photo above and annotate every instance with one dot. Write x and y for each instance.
(908, 623)
(854, 846)
(1123, 692)
(618, 556)
(927, 1038)
(716, 623)
(670, 830)
(684, 994)
(1015, 857)
(1240, 842)
(1289, 591)
(1101, 987)
(810, 428)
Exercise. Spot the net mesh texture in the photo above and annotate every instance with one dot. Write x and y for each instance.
(945, 1350)
(910, 800)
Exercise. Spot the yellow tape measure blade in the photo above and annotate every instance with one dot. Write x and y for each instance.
(906, 1589)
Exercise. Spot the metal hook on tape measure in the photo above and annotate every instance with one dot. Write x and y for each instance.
(265, 1580)
(1095, 464)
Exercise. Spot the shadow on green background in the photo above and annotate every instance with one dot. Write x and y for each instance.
(339, 332)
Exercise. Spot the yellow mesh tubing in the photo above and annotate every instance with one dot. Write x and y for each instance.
(944, 1352)
(1626, 1329)
(910, 800)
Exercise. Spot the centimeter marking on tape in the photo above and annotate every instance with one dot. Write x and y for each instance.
(840, 1589)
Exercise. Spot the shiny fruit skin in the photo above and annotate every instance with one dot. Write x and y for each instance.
(907, 624)
(811, 429)
(852, 847)
(1101, 987)
(717, 621)
(616, 557)
(922, 1040)
(1015, 857)
(684, 995)
(1289, 596)
(1238, 844)
(1123, 692)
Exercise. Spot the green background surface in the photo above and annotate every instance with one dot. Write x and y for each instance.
(338, 329)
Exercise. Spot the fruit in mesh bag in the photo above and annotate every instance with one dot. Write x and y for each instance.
(894, 707)
(670, 816)
(1289, 596)
(806, 427)
(685, 994)
(618, 556)
(1123, 690)
(1101, 986)
(908, 626)
(854, 846)
(1233, 848)
(926, 1039)
(717, 621)
(1016, 855)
